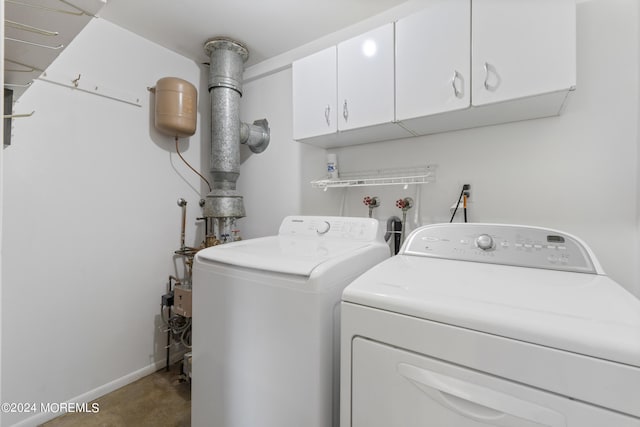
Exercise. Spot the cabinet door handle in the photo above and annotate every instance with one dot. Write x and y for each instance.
(488, 70)
(456, 76)
(345, 111)
(327, 113)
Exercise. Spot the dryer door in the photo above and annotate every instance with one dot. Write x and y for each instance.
(397, 388)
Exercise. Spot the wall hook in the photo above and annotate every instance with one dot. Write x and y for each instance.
(76, 80)
(31, 29)
(17, 85)
(29, 68)
(58, 47)
(17, 116)
(84, 12)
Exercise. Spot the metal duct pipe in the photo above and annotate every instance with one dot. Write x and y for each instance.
(227, 59)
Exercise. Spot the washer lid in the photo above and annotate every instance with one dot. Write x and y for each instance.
(280, 254)
(582, 313)
(302, 244)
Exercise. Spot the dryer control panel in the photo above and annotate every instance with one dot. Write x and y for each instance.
(521, 246)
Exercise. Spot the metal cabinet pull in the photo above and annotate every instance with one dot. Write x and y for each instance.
(327, 113)
(489, 69)
(456, 76)
(345, 111)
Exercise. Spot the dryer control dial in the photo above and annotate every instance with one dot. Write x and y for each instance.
(484, 242)
(323, 228)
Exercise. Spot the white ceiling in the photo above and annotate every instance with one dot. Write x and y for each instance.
(267, 27)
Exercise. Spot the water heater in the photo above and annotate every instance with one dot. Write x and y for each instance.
(175, 107)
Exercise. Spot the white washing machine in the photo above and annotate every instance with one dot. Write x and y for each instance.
(490, 325)
(266, 322)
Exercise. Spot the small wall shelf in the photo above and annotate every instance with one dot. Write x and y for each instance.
(399, 176)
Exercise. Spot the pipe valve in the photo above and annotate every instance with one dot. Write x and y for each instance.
(371, 202)
(404, 204)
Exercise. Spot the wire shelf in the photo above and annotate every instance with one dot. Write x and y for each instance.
(398, 176)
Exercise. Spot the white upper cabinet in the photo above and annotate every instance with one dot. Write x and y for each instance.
(345, 94)
(455, 64)
(314, 95)
(433, 67)
(522, 48)
(522, 56)
(366, 79)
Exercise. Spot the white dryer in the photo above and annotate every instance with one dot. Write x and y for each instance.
(490, 325)
(266, 322)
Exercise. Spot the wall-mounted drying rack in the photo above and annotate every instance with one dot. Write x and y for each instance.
(77, 10)
(36, 32)
(398, 176)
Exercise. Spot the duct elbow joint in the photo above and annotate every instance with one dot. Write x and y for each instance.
(256, 136)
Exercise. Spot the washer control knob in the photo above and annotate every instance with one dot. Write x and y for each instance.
(484, 242)
(323, 228)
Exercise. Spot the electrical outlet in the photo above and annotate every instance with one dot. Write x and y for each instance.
(460, 205)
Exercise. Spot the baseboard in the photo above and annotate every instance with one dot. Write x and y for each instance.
(100, 391)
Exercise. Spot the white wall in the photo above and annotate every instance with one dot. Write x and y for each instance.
(279, 163)
(90, 223)
(576, 172)
(274, 183)
(1, 191)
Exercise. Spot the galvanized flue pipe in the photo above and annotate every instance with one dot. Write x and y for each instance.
(227, 58)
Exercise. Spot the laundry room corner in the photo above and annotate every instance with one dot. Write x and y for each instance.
(275, 183)
(1, 203)
(574, 172)
(638, 170)
(91, 222)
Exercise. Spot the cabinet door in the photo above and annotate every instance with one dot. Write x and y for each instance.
(433, 68)
(314, 94)
(366, 79)
(522, 48)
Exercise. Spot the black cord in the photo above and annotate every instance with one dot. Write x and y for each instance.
(464, 206)
(457, 204)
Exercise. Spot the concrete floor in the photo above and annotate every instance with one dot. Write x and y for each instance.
(158, 400)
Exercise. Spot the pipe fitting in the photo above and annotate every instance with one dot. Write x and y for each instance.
(227, 63)
(256, 136)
